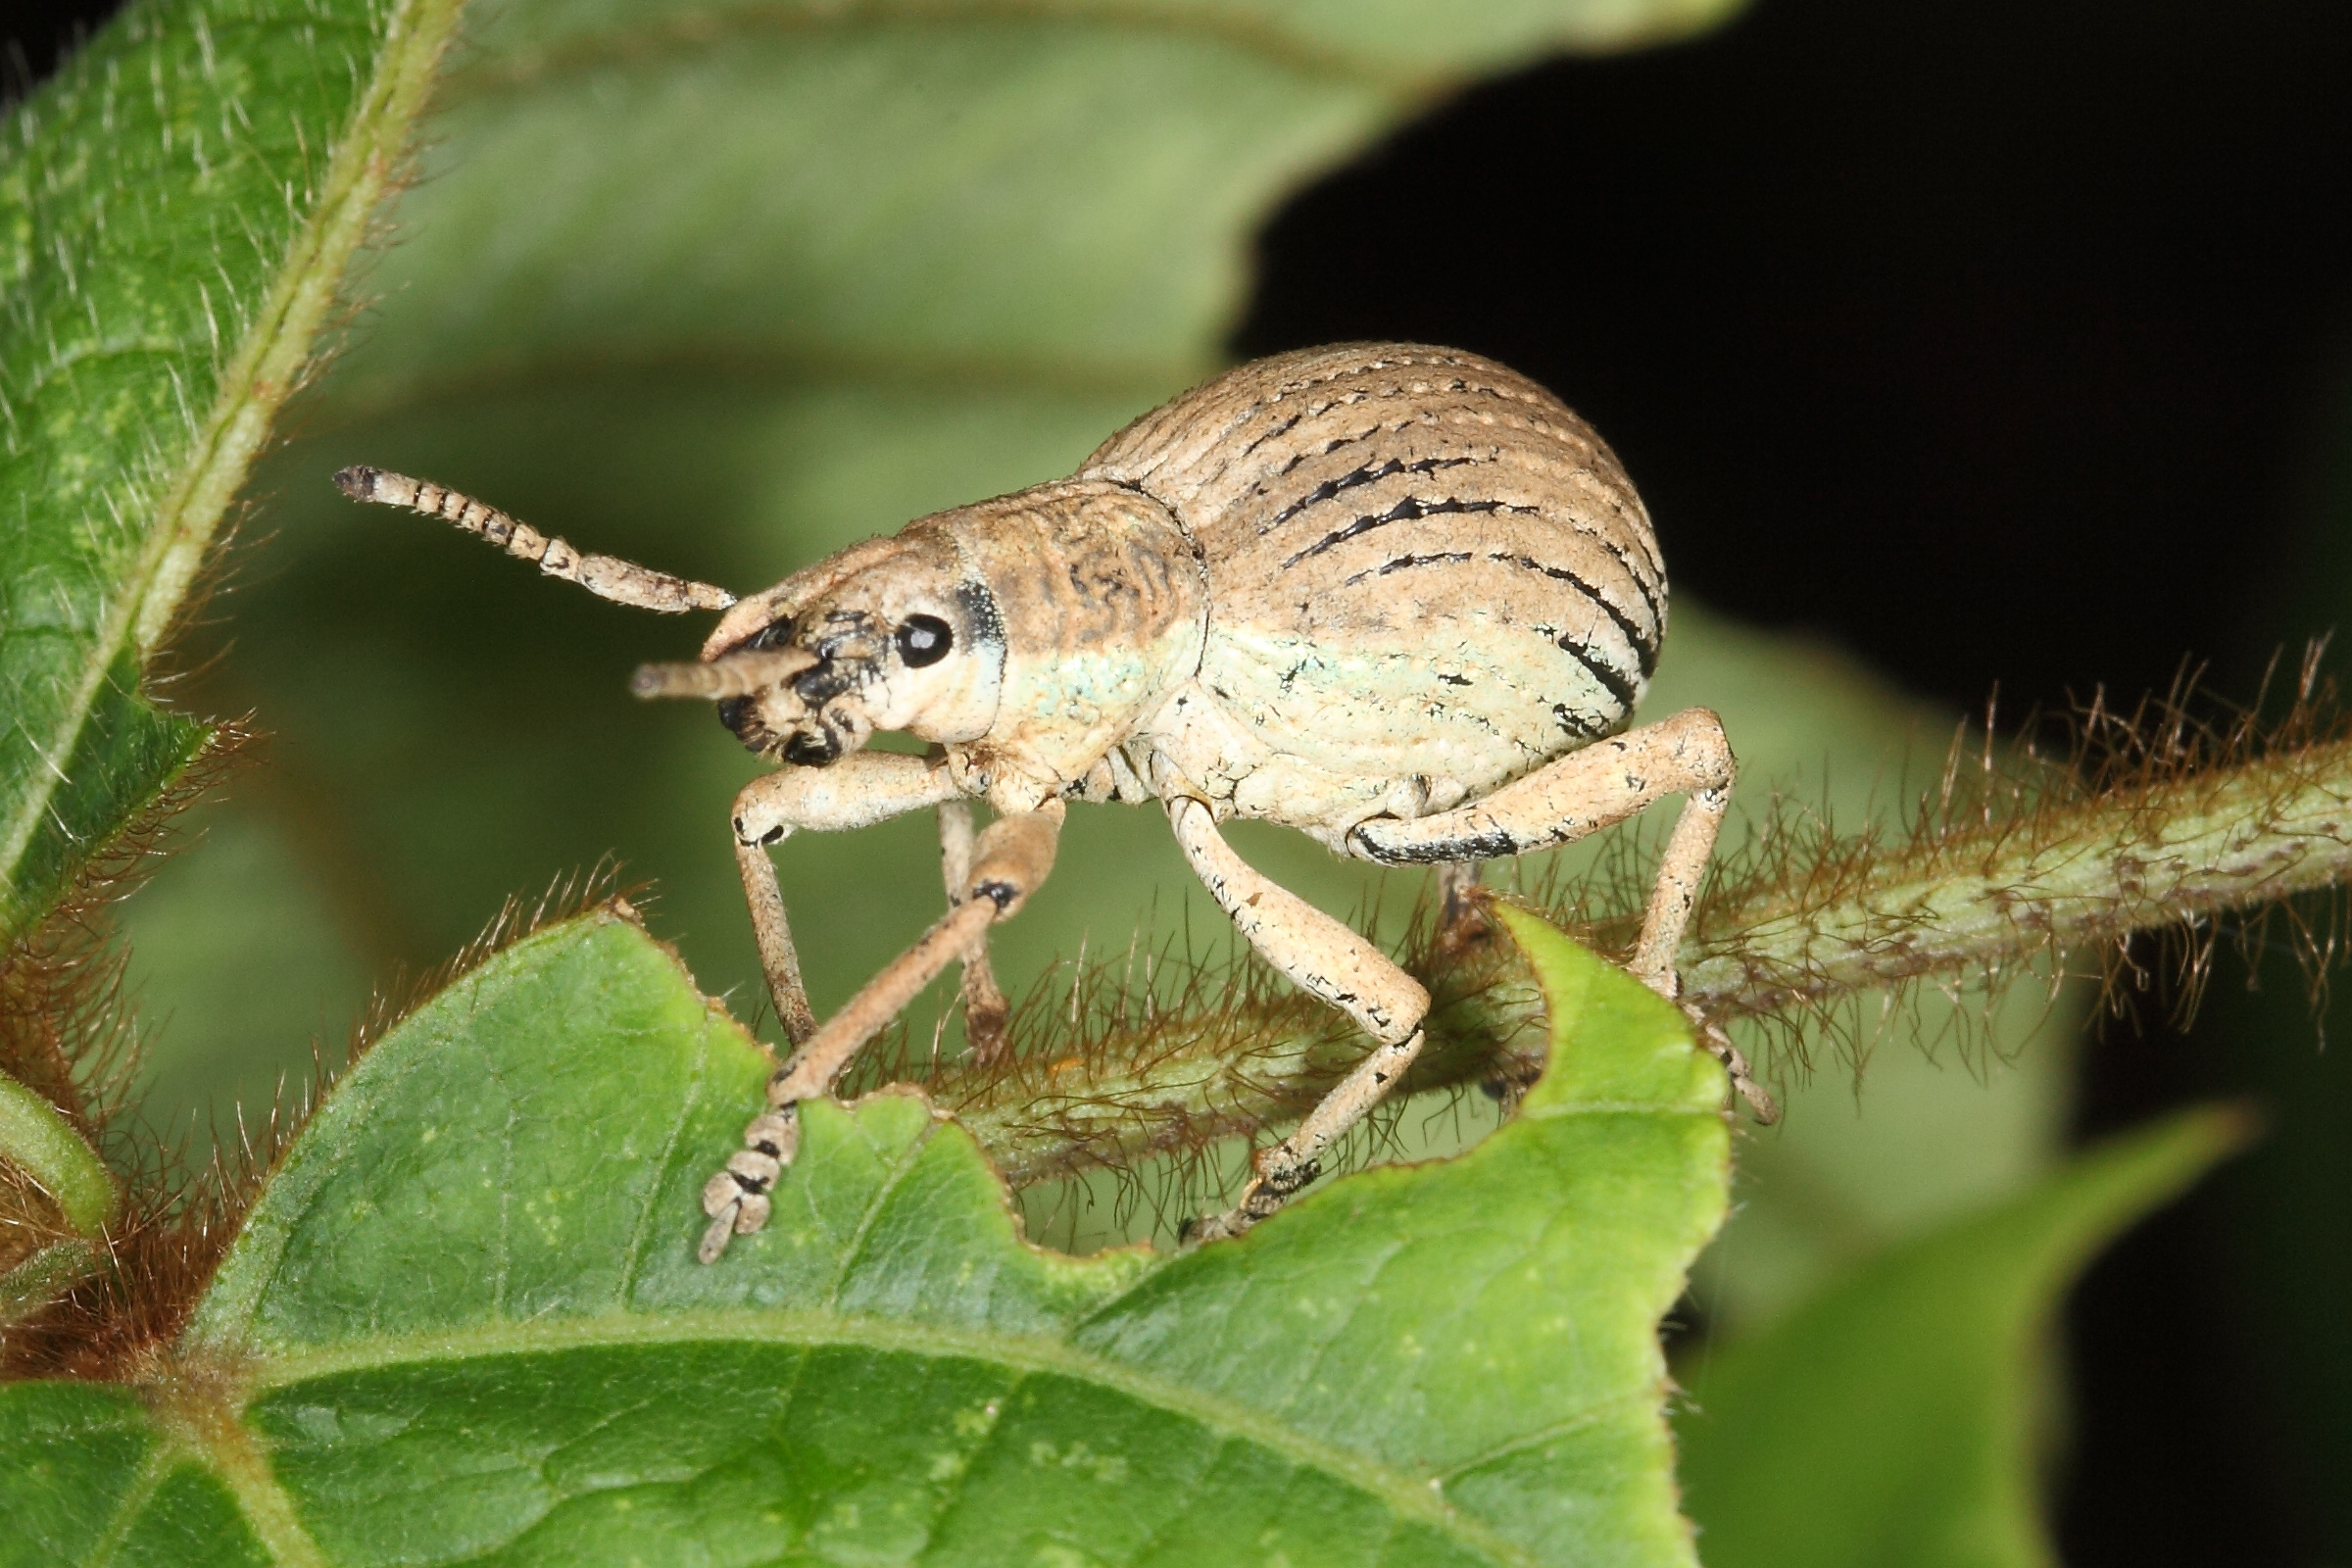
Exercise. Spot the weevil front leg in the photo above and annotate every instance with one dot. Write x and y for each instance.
(1327, 957)
(859, 791)
(985, 1009)
(1011, 855)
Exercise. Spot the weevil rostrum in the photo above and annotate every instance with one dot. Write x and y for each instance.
(1397, 597)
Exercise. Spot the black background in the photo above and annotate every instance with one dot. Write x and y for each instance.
(2009, 344)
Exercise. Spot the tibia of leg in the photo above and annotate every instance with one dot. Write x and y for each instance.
(986, 1012)
(1588, 790)
(1009, 860)
(1681, 872)
(1292, 1163)
(1462, 923)
(1331, 960)
(779, 959)
(737, 1198)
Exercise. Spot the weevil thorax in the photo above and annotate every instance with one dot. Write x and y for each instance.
(894, 634)
(1104, 606)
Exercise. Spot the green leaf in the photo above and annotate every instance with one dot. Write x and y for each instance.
(1890, 1421)
(176, 208)
(465, 1323)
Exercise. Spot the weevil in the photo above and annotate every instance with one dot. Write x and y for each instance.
(1394, 596)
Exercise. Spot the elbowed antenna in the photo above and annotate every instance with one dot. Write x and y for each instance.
(727, 675)
(624, 582)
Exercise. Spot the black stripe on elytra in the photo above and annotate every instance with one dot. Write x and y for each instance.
(1331, 445)
(1282, 427)
(1633, 573)
(1646, 652)
(1617, 685)
(1411, 509)
(1575, 725)
(1369, 473)
(1400, 562)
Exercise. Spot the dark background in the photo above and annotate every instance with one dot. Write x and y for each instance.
(2009, 345)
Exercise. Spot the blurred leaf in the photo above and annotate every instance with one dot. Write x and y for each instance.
(176, 208)
(1890, 1421)
(466, 1320)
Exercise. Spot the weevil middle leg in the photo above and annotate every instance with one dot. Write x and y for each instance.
(1574, 796)
(1330, 958)
(1579, 794)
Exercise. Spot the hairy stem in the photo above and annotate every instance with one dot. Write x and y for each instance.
(1837, 918)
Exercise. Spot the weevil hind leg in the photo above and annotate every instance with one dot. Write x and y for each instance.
(1588, 790)
(986, 1012)
(1323, 955)
(1717, 1042)
(1010, 857)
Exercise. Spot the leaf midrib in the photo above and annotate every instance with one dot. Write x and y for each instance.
(1410, 1496)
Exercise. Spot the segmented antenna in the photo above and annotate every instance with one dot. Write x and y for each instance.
(624, 582)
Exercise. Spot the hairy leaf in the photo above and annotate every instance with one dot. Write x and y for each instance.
(176, 208)
(1890, 1421)
(465, 1323)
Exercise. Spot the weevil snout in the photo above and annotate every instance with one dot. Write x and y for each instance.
(810, 670)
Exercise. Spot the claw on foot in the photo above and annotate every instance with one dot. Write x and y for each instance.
(1278, 1180)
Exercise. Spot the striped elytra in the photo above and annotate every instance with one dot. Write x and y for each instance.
(1425, 577)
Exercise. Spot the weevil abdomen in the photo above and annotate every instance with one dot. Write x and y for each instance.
(1426, 577)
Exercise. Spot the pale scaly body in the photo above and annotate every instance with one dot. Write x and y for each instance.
(1396, 597)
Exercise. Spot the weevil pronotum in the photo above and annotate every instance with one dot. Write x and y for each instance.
(1397, 597)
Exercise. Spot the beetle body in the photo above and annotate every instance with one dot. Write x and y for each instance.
(1394, 596)
(1351, 582)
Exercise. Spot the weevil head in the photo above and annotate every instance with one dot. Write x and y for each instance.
(894, 634)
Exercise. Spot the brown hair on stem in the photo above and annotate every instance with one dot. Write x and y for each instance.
(2155, 821)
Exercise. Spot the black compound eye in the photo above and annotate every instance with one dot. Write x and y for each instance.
(924, 640)
(772, 635)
